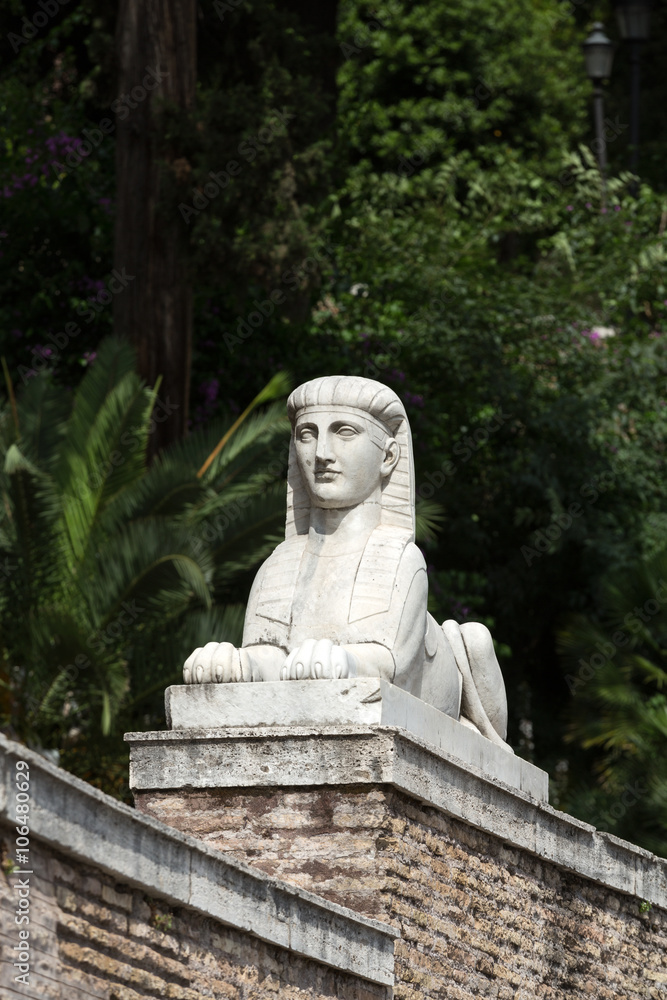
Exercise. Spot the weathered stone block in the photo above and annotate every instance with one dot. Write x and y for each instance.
(362, 701)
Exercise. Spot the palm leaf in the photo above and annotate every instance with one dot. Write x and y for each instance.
(278, 386)
(138, 563)
(429, 516)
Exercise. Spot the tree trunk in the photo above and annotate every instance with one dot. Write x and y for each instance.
(156, 49)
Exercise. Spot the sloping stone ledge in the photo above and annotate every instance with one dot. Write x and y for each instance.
(352, 755)
(84, 823)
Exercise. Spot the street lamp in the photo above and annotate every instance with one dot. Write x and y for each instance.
(634, 18)
(598, 57)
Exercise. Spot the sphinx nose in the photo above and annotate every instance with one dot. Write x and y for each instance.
(323, 452)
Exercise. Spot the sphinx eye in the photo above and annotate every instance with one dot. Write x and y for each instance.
(347, 432)
(305, 434)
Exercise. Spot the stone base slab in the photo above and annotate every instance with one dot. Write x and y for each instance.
(363, 701)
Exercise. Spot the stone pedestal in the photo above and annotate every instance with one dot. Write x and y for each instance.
(295, 776)
(361, 706)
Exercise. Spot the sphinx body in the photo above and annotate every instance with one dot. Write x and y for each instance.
(346, 593)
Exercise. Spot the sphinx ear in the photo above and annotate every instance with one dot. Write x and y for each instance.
(392, 453)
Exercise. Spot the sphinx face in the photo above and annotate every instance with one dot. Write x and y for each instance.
(340, 463)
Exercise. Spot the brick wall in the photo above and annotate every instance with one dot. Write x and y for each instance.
(478, 918)
(93, 937)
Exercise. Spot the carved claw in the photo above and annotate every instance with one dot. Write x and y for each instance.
(316, 660)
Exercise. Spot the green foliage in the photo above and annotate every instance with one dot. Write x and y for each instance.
(57, 196)
(119, 569)
(262, 100)
(617, 672)
(445, 78)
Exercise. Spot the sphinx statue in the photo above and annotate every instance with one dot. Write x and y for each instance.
(345, 595)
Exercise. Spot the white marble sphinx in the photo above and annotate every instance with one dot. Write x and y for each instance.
(345, 595)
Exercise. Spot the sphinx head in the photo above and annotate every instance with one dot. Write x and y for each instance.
(350, 445)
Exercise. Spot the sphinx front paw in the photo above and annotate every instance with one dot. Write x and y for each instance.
(216, 662)
(317, 659)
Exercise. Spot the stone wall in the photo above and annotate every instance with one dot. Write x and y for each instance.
(91, 936)
(477, 917)
(121, 907)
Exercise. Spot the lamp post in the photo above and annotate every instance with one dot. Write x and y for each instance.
(634, 18)
(598, 57)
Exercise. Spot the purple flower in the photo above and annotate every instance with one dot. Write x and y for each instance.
(570, 208)
(414, 399)
(209, 390)
(588, 204)
(617, 208)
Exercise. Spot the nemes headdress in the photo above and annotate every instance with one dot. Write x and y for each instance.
(388, 417)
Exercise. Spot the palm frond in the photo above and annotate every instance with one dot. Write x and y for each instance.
(141, 561)
(429, 516)
(42, 410)
(119, 570)
(278, 386)
(30, 509)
